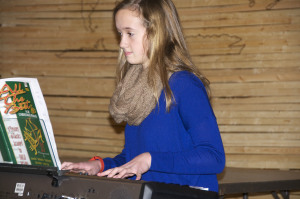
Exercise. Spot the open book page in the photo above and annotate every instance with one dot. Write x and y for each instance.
(1, 158)
(26, 132)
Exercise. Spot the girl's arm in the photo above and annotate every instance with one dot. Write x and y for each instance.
(207, 156)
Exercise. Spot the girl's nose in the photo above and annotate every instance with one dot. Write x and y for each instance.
(123, 42)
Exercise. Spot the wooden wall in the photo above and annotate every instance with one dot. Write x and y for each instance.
(249, 49)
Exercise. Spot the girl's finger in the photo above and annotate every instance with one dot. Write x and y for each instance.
(105, 173)
(113, 172)
(138, 176)
(65, 165)
(121, 174)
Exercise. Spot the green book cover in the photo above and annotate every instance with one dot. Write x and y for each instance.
(26, 135)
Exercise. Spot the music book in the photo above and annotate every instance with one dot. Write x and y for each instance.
(26, 134)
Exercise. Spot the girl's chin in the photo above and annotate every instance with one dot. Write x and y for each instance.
(132, 62)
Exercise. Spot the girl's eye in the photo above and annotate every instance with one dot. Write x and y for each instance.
(120, 33)
(130, 34)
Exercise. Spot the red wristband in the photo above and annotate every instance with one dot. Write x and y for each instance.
(101, 162)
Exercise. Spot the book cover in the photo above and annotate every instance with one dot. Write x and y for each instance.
(26, 135)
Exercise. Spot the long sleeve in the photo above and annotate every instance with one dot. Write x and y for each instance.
(207, 155)
(118, 160)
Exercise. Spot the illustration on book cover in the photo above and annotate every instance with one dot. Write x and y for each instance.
(24, 135)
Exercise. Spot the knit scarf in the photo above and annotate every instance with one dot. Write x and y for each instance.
(133, 99)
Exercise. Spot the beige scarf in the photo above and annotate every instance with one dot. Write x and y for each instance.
(133, 99)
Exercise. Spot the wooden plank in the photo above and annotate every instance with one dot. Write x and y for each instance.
(116, 131)
(106, 23)
(257, 114)
(261, 139)
(201, 35)
(219, 104)
(78, 27)
(243, 32)
(60, 70)
(264, 161)
(50, 32)
(92, 87)
(82, 120)
(258, 107)
(253, 75)
(221, 39)
(58, 15)
(65, 57)
(211, 6)
(246, 33)
(65, 153)
(259, 150)
(70, 119)
(235, 5)
(258, 129)
(80, 114)
(61, 44)
(70, 45)
(96, 118)
(47, 32)
(100, 44)
(259, 121)
(77, 103)
(91, 131)
(222, 43)
(257, 100)
(68, 66)
(192, 19)
(248, 64)
(97, 70)
(54, 2)
(242, 49)
(88, 147)
(90, 141)
(60, 57)
(256, 89)
(61, 6)
(277, 56)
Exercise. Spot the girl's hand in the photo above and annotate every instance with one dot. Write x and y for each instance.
(90, 167)
(137, 166)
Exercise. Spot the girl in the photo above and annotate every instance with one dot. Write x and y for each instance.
(171, 134)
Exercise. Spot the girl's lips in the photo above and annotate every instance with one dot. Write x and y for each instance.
(127, 53)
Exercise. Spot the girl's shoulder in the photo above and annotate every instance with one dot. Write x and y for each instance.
(186, 86)
(183, 79)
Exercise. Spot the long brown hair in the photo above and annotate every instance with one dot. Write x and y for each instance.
(167, 51)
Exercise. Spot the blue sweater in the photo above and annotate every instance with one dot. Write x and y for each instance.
(185, 143)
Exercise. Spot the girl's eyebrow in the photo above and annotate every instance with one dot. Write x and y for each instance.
(126, 28)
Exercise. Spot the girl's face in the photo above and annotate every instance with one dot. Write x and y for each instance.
(133, 36)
